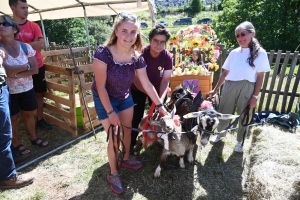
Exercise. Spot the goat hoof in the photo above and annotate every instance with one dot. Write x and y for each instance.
(157, 172)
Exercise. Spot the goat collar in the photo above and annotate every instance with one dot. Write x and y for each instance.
(206, 131)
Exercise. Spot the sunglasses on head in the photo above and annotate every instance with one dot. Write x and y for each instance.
(5, 24)
(242, 35)
(128, 16)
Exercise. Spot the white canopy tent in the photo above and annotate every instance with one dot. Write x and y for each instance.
(59, 9)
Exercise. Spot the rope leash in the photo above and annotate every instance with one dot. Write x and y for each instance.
(111, 130)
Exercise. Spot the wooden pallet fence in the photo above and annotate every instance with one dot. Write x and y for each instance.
(63, 95)
(280, 89)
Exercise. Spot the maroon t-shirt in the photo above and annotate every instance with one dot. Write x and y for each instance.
(156, 66)
(119, 76)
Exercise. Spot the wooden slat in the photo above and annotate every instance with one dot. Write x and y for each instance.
(296, 83)
(87, 125)
(63, 51)
(62, 124)
(59, 87)
(282, 92)
(86, 68)
(92, 111)
(273, 79)
(57, 69)
(87, 86)
(57, 80)
(266, 79)
(57, 110)
(58, 99)
(287, 87)
(69, 61)
(280, 81)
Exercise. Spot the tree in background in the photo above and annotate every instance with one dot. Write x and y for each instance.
(276, 22)
(62, 30)
(195, 6)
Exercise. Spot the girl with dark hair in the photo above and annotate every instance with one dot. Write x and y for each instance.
(115, 65)
(159, 69)
(243, 76)
(196, 56)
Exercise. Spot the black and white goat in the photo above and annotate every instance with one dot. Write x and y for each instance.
(178, 145)
(208, 120)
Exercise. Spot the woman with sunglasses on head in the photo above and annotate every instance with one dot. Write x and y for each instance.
(115, 66)
(20, 65)
(159, 69)
(243, 76)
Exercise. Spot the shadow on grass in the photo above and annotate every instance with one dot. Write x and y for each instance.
(221, 179)
(174, 183)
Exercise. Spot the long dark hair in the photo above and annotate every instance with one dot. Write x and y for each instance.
(254, 45)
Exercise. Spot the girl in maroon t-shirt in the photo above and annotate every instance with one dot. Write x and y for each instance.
(159, 69)
(115, 66)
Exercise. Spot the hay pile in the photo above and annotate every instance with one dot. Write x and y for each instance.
(274, 164)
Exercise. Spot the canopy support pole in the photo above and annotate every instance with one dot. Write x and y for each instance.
(43, 28)
(86, 29)
(44, 33)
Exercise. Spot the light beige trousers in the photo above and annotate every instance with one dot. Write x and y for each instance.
(235, 95)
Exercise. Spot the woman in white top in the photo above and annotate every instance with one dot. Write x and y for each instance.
(243, 76)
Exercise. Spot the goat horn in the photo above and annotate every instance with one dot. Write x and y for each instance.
(193, 115)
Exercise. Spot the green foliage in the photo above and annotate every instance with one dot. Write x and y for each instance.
(62, 30)
(195, 6)
(277, 22)
(99, 28)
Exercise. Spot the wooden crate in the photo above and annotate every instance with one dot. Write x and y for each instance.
(205, 82)
(63, 91)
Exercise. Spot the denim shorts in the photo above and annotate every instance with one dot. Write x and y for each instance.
(118, 106)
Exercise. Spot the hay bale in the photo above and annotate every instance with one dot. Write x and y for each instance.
(274, 164)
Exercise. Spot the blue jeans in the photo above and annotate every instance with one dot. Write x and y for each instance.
(7, 166)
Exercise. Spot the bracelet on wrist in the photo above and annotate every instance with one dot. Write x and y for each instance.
(110, 112)
(28, 66)
(255, 96)
(159, 105)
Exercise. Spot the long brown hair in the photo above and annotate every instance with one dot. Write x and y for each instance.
(112, 39)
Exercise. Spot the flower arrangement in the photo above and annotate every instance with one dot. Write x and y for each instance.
(195, 36)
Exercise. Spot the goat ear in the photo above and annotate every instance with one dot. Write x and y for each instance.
(227, 116)
(154, 122)
(193, 115)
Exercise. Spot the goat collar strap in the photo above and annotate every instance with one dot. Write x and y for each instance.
(206, 131)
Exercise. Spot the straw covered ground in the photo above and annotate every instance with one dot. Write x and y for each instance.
(274, 167)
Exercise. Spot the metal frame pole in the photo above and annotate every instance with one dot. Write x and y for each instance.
(44, 33)
(86, 25)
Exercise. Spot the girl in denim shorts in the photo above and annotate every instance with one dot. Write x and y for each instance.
(116, 65)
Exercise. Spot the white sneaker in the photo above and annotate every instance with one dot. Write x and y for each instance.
(238, 148)
(215, 139)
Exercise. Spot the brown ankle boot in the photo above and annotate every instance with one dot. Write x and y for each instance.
(16, 181)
